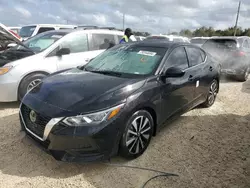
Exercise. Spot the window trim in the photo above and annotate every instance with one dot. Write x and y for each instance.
(168, 55)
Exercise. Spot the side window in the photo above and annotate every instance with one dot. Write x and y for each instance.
(194, 56)
(245, 44)
(76, 43)
(43, 29)
(102, 41)
(177, 58)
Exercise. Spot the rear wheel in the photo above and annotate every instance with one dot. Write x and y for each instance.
(137, 135)
(212, 93)
(28, 83)
(244, 76)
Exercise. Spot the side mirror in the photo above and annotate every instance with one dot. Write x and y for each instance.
(174, 72)
(63, 51)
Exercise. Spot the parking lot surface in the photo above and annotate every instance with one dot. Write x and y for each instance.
(205, 147)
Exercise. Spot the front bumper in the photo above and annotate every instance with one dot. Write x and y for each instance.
(8, 88)
(80, 144)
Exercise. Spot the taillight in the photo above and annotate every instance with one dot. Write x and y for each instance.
(240, 53)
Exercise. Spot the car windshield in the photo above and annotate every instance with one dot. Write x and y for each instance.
(128, 59)
(27, 31)
(40, 42)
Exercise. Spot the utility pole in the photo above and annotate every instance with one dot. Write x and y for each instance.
(237, 18)
(123, 21)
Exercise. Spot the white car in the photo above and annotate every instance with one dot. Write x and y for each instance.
(24, 65)
(31, 30)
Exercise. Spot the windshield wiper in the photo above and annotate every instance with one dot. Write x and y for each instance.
(106, 72)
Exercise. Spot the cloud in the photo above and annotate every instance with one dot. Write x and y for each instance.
(23, 11)
(155, 16)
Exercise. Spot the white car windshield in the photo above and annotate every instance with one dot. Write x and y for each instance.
(41, 42)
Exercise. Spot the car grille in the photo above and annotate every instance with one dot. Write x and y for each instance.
(36, 127)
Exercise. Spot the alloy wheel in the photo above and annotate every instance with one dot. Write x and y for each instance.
(33, 84)
(138, 134)
(213, 90)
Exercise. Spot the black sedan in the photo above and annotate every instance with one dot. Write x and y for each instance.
(119, 100)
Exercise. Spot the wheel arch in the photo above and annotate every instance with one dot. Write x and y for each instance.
(28, 74)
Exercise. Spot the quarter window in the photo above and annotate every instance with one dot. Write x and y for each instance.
(194, 56)
(102, 41)
(177, 58)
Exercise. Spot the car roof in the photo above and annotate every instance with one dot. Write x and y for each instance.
(54, 25)
(228, 37)
(162, 44)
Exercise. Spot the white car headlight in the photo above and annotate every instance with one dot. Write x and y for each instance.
(5, 69)
(94, 118)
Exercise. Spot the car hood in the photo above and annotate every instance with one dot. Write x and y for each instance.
(11, 55)
(6, 37)
(77, 92)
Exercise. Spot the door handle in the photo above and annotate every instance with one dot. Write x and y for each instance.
(210, 68)
(87, 60)
(191, 78)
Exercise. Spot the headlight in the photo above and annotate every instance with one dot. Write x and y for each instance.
(4, 70)
(94, 118)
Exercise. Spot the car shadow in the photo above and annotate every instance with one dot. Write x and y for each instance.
(204, 150)
(8, 105)
(246, 87)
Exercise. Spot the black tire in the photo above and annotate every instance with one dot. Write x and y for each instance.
(133, 145)
(243, 77)
(23, 87)
(212, 94)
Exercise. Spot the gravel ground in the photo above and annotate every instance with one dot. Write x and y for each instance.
(205, 147)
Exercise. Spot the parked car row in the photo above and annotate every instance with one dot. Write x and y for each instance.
(85, 98)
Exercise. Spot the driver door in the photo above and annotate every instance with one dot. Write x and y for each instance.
(177, 92)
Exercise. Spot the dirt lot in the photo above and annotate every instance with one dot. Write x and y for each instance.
(206, 147)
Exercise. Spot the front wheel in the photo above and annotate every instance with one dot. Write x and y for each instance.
(137, 135)
(28, 83)
(212, 94)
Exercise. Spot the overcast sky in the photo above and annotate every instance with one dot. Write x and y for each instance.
(154, 16)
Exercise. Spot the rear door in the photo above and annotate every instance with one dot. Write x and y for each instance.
(198, 70)
(177, 93)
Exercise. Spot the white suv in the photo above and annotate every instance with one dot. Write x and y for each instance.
(46, 53)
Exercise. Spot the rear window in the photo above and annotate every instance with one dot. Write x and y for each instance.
(27, 31)
(220, 44)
